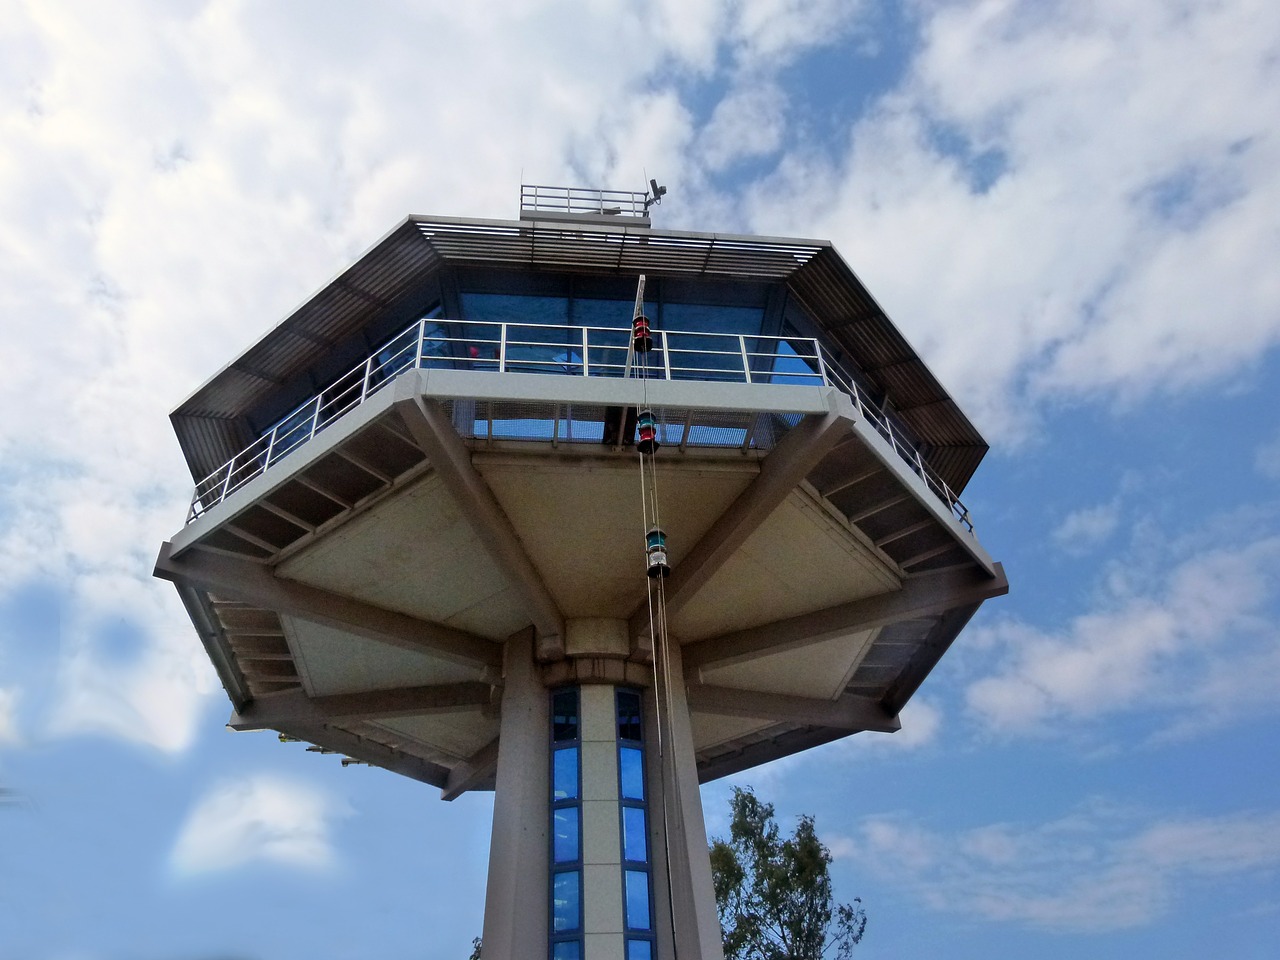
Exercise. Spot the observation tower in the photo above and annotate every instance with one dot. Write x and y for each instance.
(586, 513)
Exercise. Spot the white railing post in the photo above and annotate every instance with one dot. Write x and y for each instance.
(315, 416)
(226, 484)
(746, 363)
(502, 348)
(364, 384)
(271, 445)
(422, 342)
(666, 353)
(586, 368)
(822, 365)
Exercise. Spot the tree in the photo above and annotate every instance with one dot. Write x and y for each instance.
(773, 895)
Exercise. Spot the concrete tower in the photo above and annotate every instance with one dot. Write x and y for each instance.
(419, 538)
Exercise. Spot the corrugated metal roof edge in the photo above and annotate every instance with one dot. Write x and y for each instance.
(922, 368)
(407, 225)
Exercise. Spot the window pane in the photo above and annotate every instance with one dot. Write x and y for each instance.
(710, 318)
(603, 313)
(637, 900)
(564, 774)
(565, 823)
(569, 950)
(639, 950)
(566, 901)
(564, 715)
(515, 308)
(635, 842)
(632, 769)
(630, 725)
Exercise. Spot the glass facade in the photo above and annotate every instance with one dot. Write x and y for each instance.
(568, 890)
(566, 826)
(633, 811)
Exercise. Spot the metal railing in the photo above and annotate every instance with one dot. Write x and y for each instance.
(582, 200)
(563, 350)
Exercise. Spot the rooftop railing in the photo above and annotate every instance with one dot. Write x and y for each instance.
(582, 200)
(570, 351)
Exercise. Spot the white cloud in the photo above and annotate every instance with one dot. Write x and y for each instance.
(1175, 646)
(1088, 527)
(1092, 871)
(747, 123)
(1267, 458)
(770, 33)
(1064, 202)
(921, 722)
(258, 819)
(9, 697)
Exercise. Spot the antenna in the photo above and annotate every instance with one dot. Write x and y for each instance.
(654, 195)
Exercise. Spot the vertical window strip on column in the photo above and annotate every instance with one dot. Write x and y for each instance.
(637, 892)
(566, 826)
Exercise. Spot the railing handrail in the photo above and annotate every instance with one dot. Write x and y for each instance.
(408, 351)
(580, 200)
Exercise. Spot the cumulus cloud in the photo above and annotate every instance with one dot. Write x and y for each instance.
(1267, 458)
(9, 715)
(1063, 202)
(1205, 628)
(748, 123)
(1088, 527)
(262, 819)
(1095, 870)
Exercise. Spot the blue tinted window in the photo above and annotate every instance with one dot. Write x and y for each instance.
(637, 900)
(639, 950)
(570, 950)
(565, 824)
(635, 840)
(515, 308)
(603, 313)
(631, 767)
(566, 901)
(564, 774)
(710, 318)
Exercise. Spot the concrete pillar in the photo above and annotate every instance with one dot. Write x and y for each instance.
(692, 910)
(516, 897)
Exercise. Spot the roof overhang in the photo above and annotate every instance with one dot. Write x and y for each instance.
(210, 423)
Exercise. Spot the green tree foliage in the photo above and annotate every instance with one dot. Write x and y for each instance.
(774, 895)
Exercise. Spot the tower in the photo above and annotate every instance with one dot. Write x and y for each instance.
(586, 513)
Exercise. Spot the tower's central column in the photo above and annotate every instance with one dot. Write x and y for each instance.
(585, 822)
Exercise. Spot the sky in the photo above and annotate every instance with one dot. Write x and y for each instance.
(1071, 210)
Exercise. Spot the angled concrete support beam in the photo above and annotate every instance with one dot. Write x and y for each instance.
(849, 713)
(273, 711)
(926, 595)
(371, 752)
(449, 456)
(254, 583)
(783, 745)
(478, 768)
(782, 470)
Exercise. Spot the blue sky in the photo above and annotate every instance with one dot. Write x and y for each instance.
(1071, 209)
